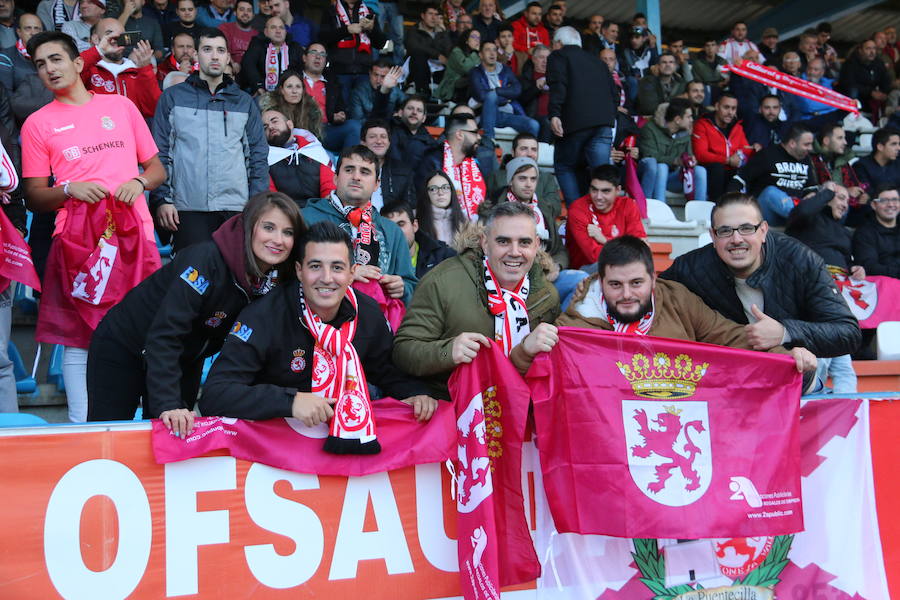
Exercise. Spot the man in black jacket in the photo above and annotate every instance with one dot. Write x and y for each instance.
(583, 100)
(876, 243)
(864, 77)
(773, 283)
(780, 175)
(427, 41)
(424, 251)
(265, 370)
(256, 75)
(396, 185)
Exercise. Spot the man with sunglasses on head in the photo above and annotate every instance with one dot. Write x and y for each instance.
(773, 284)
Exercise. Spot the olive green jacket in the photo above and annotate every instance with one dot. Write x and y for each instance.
(451, 299)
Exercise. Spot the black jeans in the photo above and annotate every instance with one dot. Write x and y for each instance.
(196, 226)
(117, 380)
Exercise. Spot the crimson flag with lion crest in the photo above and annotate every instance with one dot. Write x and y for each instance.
(645, 437)
(494, 545)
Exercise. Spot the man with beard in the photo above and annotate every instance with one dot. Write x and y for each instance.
(493, 290)
(772, 283)
(625, 296)
(780, 176)
(183, 57)
(301, 174)
(380, 249)
(239, 32)
(456, 158)
(211, 142)
(107, 71)
(397, 186)
(865, 77)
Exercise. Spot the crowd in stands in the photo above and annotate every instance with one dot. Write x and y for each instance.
(290, 161)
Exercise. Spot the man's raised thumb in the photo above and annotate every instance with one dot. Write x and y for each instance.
(760, 315)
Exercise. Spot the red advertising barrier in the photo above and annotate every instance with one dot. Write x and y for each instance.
(89, 514)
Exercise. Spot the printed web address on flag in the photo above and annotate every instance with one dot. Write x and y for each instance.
(769, 515)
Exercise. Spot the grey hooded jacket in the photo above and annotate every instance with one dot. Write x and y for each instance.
(212, 146)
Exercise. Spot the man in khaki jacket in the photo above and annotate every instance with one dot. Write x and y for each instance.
(626, 296)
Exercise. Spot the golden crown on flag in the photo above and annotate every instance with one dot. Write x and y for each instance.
(663, 378)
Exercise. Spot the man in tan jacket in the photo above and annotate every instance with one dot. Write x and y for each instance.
(626, 296)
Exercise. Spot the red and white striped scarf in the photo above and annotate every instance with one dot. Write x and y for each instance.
(338, 373)
(468, 181)
(542, 231)
(273, 68)
(453, 14)
(509, 309)
(365, 45)
(176, 66)
(20, 46)
(640, 327)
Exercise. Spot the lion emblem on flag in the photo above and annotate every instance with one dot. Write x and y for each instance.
(473, 465)
(668, 449)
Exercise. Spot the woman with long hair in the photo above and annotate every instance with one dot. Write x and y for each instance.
(291, 99)
(464, 57)
(151, 346)
(438, 210)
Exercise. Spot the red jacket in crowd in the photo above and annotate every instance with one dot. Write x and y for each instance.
(526, 37)
(137, 84)
(712, 145)
(623, 219)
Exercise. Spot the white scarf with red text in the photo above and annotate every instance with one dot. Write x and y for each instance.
(468, 181)
(509, 310)
(273, 68)
(365, 45)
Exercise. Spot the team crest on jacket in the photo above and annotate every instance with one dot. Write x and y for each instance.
(298, 363)
(215, 320)
(667, 437)
(241, 331)
(107, 123)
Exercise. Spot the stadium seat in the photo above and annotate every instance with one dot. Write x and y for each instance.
(25, 383)
(660, 214)
(24, 300)
(698, 210)
(20, 419)
(55, 368)
(888, 340)
(164, 251)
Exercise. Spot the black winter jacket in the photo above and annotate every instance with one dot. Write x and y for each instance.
(179, 316)
(431, 253)
(253, 65)
(297, 177)
(797, 292)
(397, 184)
(813, 223)
(582, 91)
(877, 248)
(351, 59)
(270, 357)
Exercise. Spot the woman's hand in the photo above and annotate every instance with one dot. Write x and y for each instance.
(179, 421)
